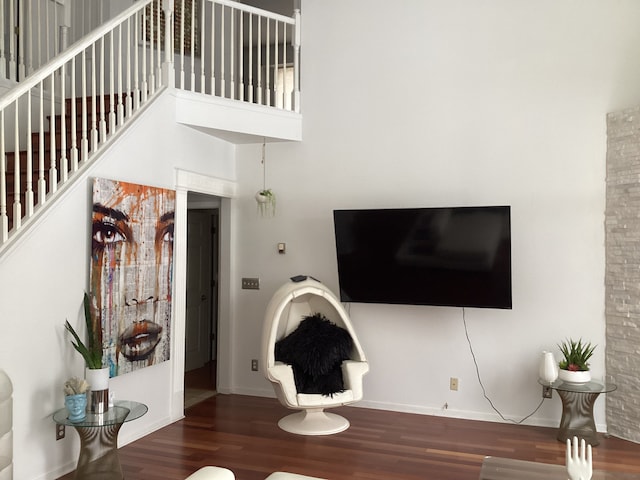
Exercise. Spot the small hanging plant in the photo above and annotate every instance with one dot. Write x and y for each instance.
(266, 202)
(266, 198)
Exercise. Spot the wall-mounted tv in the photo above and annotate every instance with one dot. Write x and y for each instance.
(458, 256)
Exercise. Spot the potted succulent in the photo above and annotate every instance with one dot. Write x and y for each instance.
(97, 376)
(75, 391)
(574, 366)
(266, 202)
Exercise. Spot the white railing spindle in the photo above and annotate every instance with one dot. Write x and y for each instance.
(259, 63)
(30, 36)
(267, 72)
(93, 143)
(182, 48)
(53, 168)
(21, 39)
(120, 112)
(103, 120)
(212, 60)
(223, 87)
(158, 46)
(12, 58)
(250, 96)
(232, 56)
(84, 135)
(193, 50)
(17, 171)
(143, 86)
(28, 194)
(39, 29)
(129, 101)
(241, 56)
(202, 49)
(136, 77)
(42, 182)
(74, 119)
(47, 21)
(112, 92)
(296, 61)
(63, 130)
(275, 67)
(152, 73)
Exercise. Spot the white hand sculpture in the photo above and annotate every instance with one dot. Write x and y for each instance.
(579, 465)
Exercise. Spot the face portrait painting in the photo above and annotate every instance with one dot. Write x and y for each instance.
(131, 272)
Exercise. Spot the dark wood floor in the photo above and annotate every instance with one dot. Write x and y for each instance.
(240, 433)
(201, 378)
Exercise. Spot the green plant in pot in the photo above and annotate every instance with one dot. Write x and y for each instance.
(95, 373)
(574, 366)
(92, 351)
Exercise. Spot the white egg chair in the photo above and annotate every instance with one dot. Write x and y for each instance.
(289, 305)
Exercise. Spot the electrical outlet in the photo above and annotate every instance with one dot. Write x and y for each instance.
(453, 383)
(251, 283)
(59, 432)
(547, 391)
(254, 365)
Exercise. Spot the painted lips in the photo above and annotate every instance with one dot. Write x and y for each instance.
(140, 339)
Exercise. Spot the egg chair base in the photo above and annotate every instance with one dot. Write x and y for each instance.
(313, 422)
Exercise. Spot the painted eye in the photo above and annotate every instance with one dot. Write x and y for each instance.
(167, 236)
(106, 233)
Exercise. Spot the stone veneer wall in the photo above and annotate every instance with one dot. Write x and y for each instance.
(622, 274)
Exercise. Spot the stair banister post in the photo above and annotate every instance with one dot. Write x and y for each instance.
(167, 66)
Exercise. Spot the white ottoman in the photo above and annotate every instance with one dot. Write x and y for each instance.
(212, 473)
(290, 476)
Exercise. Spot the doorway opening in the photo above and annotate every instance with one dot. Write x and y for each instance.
(201, 329)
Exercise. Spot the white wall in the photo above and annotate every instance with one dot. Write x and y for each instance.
(445, 103)
(42, 282)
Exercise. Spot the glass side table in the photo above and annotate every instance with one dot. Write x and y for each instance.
(577, 408)
(98, 434)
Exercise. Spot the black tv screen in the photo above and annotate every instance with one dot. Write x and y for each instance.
(459, 256)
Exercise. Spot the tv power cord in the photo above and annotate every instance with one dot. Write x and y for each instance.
(484, 392)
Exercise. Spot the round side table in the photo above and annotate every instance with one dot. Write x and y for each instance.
(98, 434)
(577, 408)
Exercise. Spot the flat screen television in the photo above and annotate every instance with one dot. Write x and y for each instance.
(458, 256)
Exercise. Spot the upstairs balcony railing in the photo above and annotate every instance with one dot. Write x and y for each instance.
(56, 119)
(32, 32)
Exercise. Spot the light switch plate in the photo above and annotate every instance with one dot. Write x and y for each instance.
(251, 283)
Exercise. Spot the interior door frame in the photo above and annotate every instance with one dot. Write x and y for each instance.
(187, 181)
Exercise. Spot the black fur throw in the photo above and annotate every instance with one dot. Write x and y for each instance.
(316, 350)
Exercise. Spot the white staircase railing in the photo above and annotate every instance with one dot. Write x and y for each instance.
(54, 121)
(32, 32)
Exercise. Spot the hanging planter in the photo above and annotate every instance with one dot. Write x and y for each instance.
(266, 203)
(265, 198)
